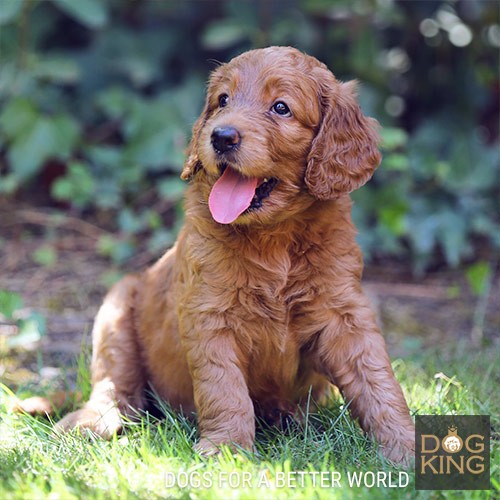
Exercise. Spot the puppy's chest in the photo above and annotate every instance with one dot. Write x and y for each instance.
(275, 312)
(278, 293)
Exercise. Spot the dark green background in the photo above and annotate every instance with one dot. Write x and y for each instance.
(98, 97)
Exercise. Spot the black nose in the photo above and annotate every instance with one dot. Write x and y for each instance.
(225, 138)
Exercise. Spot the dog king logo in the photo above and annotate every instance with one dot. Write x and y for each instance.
(452, 452)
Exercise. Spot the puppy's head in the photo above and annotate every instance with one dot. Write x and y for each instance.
(278, 132)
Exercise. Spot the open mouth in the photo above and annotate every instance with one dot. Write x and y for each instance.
(262, 192)
(234, 194)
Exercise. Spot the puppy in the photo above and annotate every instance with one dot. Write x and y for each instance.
(259, 303)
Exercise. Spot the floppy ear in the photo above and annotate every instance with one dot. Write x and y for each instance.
(192, 162)
(344, 153)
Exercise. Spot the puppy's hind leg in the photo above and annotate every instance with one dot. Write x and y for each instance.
(117, 370)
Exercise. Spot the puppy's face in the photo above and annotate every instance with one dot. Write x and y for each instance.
(261, 140)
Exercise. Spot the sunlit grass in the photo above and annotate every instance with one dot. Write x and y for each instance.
(154, 458)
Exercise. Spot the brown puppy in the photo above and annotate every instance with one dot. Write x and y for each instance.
(259, 301)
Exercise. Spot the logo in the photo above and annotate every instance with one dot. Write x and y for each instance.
(452, 452)
(452, 442)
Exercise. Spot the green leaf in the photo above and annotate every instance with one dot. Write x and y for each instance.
(108, 193)
(105, 245)
(393, 216)
(31, 330)
(66, 135)
(91, 13)
(36, 138)
(221, 35)
(123, 251)
(423, 233)
(9, 10)
(160, 240)
(393, 138)
(17, 117)
(479, 275)
(140, 71)
(29, 151)
(172, 189)
(10, 302)
(153, 220)
(129, 222)
(46, 255)
(452, 236)
(396, 161)
(62, 189)
(118, 250)
(77, 186)
(443, 170)
(110, 277)
(156, 150)
(8, 183)
(59, 70)
(114, 102)
(109, 156)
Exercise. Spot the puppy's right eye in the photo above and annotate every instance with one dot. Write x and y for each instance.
(223, 100)
(280, 108)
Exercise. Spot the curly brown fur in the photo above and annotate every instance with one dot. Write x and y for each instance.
(255, 313)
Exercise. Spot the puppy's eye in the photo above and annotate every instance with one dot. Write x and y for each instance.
(280, 108)
(223, 100)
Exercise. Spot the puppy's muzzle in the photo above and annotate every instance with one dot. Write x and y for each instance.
(225, 139)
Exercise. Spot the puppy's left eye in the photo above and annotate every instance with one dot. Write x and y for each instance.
(223, 100)
(280, 108)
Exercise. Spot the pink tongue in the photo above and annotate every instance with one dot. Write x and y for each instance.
(231, 195)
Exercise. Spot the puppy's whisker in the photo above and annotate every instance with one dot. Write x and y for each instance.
(215, 62)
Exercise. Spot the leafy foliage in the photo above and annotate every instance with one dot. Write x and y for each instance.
(424, 199)
(26, 326)
(98, 97)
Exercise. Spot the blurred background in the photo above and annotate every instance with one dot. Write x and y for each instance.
(97, 99)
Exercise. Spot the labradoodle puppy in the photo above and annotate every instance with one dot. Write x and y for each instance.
(259, 302)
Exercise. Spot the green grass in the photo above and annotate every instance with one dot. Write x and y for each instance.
(152, 452)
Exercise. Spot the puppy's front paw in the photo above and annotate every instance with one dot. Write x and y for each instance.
(206, 448)
(103, 423)
(400, 452)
